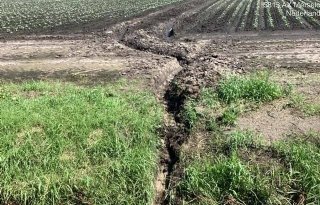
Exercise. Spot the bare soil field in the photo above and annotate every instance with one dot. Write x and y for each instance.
(213, 39)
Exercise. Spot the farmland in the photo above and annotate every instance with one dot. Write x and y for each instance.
(165, 102)
(44, 15)
(250, 15)
(216, 15)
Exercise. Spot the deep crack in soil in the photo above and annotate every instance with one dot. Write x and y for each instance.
(175, 133)
(198, 69)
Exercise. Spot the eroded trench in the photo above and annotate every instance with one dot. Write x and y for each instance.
(197, 71)
(175, 132)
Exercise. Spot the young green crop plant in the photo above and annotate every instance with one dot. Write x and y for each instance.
(245, 15)
(32, 15)
(256, 15)
(236, 11)
(226, 10)
(269, 16)
(282, 14)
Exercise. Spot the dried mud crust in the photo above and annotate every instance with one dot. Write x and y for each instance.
(278, 119)
(61, 59)
(275, 122)
(304, 82)
(87, 61)
(200, 60)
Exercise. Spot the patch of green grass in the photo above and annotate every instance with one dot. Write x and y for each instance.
(211, 125)
(255, 87)
(209, 98)
(298, 101)
(221, 175)
(303, 156)
(242, 139)
(213, 181)
(230, 115)
(189, 114)
(232, 96)
(63, 144)
(240, 167)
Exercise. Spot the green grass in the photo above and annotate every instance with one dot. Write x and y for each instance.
(221, 174)
(230, 115)
(233, 95)
(303, 155)
(299, 101)
(241, 167)
(63, 144)
(255, 87)
(212, 181)
(190, 114)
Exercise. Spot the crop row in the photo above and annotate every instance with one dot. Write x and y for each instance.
(43, 14)
(247, 15)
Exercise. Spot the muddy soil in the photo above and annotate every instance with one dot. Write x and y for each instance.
(85, 61)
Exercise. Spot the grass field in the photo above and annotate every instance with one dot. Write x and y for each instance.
(65, 144)
(241, 167)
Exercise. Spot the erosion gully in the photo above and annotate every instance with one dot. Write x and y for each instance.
(194, 72)
(174, 133)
